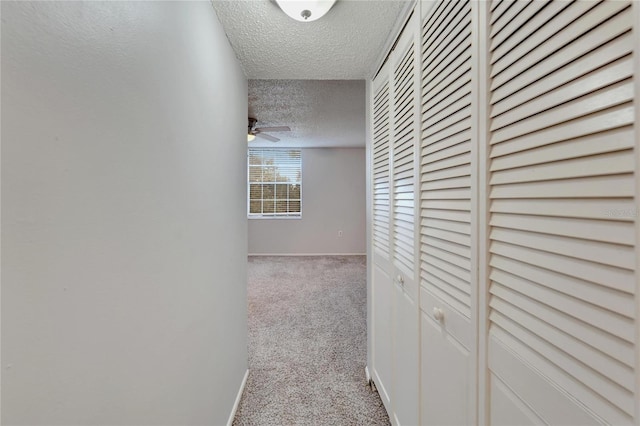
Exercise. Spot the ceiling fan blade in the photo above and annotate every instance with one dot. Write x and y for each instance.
(274, 129)
(267, 137)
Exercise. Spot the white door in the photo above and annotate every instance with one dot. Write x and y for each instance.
(395, 117)
(448, 216)
(562, 280)
(382, 271)
(406, 93)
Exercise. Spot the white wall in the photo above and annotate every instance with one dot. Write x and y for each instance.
(124, 232)
(333, 199)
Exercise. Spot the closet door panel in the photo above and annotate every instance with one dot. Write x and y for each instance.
(382, 296)
(446, 158)
(405, 71)
(446, 405)
(562, 239)
(406, 359)
(448, 225)
(381, 167)
(382, 271)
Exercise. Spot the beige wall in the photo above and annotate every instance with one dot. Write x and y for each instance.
(124, 235)
(333, 199)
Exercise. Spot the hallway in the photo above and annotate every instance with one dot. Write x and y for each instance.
(454, 205)
(307, 343)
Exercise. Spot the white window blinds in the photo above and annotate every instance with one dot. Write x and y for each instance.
(275, 183)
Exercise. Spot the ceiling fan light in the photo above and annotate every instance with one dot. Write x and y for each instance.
(250, 137)
(305, 10)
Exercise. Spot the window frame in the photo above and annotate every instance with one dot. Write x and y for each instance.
(262, 216)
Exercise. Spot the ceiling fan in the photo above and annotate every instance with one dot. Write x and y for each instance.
(259, 131)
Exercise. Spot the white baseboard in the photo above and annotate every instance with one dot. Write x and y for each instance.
(307, 254)
(238, 397)
(367, 374)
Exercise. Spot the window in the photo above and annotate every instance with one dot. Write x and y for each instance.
(275, 183)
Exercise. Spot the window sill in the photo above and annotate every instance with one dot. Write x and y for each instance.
(274, 217)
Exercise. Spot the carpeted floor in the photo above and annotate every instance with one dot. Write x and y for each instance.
(307, 344)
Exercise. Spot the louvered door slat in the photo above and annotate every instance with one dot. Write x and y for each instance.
(381, 128)
(448, 225)
(611, 210)
(441, 21)
(449, 126)
(593, 380)
(381, 170)
(456, 215)
(451, 74)
(446, 157)
(498, 8)
(588, 187)
(455, 34)
(618, 139)
(433, 23)
(541, 365)
(575, 20)
(609, 74)
(446, 163)
(494, 4)
(614, 347)
(449, 142)
(603, 297)
(403, 152)
(450, 247)
(446, 129)
(460, 48)
(608, 367)
(451, 296)
(455, 237)
(612, 322)
(608, 97)
(608, 276)
(585, 229)
(449, 257)
(454, 275)
(459, 102)
(516, 18)
(561, 186)
(604, 164)
(587, 126)
(448, 194)
(455, 101)
(453, 183)
(454, 205)
(459, 80)
(455, 294)
(503, 42)
(609, 31)
(591, 61)
(571, 247)
(456, 147)
(508, 16)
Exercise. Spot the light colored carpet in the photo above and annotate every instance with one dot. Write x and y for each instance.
(307, 344)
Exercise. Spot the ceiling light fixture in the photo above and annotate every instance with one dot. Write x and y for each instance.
(250, 137)
(305, 10)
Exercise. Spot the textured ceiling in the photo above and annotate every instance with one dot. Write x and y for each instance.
(320, 113)
(342, 45)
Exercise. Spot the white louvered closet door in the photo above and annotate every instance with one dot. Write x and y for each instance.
(448, 224)
(382, 270)
(562, 266)
(405, 119)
